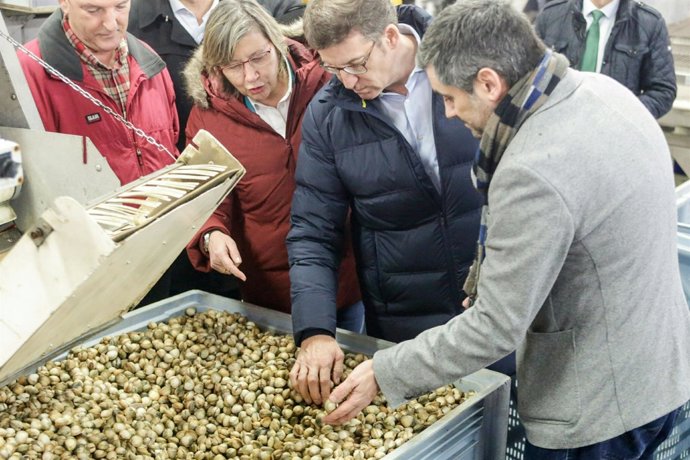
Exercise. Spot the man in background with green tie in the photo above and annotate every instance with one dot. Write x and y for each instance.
(624, 39)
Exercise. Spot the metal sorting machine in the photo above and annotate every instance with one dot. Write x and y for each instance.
(476, 429)
(78, 268)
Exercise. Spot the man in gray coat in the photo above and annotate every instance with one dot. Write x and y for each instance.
(577, 265)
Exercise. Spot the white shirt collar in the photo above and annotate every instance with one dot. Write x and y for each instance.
(189, 21)
(411, 114)
(177, 6)
(609, 10)
(409, 30)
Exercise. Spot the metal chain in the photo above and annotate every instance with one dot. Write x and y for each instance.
(138, 131)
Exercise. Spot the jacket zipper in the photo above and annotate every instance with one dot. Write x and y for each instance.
(452, 261)
(140, 158)
(441, 202)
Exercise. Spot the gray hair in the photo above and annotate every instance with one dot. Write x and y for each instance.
(228, 23)
(329, 22)
(472, 34)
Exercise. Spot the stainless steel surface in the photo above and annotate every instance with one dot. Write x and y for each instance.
(17, 108)
(680, 43)
(68, 276)
(676, 123)
(79, 279)
(57, 165)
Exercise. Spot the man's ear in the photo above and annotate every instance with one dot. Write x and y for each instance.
(490, 85)
(391, 35)
(64, 7)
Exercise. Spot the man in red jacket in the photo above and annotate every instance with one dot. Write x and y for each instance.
(87, 41)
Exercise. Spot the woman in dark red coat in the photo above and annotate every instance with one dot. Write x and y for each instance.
(251, 86)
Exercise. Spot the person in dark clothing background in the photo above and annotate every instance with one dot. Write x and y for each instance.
(173, 28)
(531, 9)
(629, 42)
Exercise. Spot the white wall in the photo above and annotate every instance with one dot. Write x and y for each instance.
(672, 10)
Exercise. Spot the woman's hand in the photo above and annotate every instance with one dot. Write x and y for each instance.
(224, 256)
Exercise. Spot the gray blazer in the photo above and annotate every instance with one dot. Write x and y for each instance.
(581, 276)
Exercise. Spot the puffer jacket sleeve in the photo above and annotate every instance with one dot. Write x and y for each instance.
(658, 75)
(314, 242)
(219, 220)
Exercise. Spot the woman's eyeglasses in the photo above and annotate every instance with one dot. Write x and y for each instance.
(236, 69)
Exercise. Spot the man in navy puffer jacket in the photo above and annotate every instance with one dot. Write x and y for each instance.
(380, 163)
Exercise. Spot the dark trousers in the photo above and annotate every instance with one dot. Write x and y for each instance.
(639, 443)
(505, 365)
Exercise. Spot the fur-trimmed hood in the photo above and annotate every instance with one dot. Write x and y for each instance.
(195, 77)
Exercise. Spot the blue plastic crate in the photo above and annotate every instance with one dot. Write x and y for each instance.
(677, 446)
(515, 444)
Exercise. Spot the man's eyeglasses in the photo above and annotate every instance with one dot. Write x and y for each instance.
(352, 69)
(236, 69)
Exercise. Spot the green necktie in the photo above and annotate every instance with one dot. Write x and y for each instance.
(589, 58)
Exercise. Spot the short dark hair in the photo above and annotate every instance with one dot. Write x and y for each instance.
(472, 34)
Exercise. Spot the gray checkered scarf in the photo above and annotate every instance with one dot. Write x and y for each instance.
(523, 99)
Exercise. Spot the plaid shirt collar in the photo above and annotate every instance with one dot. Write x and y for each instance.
(114, 81)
